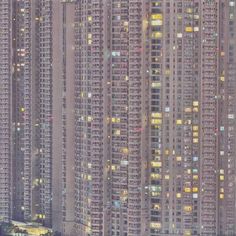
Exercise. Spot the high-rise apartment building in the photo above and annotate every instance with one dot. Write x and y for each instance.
(37, 59)
(165, 77)
(226, 120)
(31, 111)
(63, 155)
(5, 116)
(118, 116)
(174, 88)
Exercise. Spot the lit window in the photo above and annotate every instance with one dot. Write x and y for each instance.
(117, 132)
(188, 208)
(189, 29)
(156, 22)
(195, 189)
(221, 196)
(156, 85)
(195, 177)
(167, 177)
(156, 164)
(156, 35)
(187, 190)
(178, 158)
(195, 140)
(178, 195)
(179, 35)
(156, 16)
(179, 122)
(155, 225)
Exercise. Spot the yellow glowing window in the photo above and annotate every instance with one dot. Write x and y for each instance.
(222, 177)
(89, 36)
(221, 196)
(195, 140)
(188, 208)
(187, 190)
(125, 150)
(195, 189)
(90, 18)
(178, 158)
(222, 78)
(89, 177)
(157, 35)
(189, 171)
(156, 16)
(222, 54)
(195, 103)
(195, 134)
(22, 109)
(156, 207)
(156, 121)
(126, 23)
(195, 109)
(156, 22)
(113, 167)
(189, 10)
(189, 29)
(115, 120)
(157, 151)
(167, 177)
(167, 72)
(156, 115)
(195, 177)
(195, 128)
(222, 190)
(155, 194)
(117, 132)
(156, 164)
(167, 152)
(89, 118)
(156, 85)
(179, 122)
(155, 176)
(178, 195)
(187, 233)
(155, 225)
(196, 29)
(89, 41)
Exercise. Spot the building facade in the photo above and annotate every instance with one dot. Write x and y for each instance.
(118, 116)
(5, 118)
(31, 111)
(167, 75)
